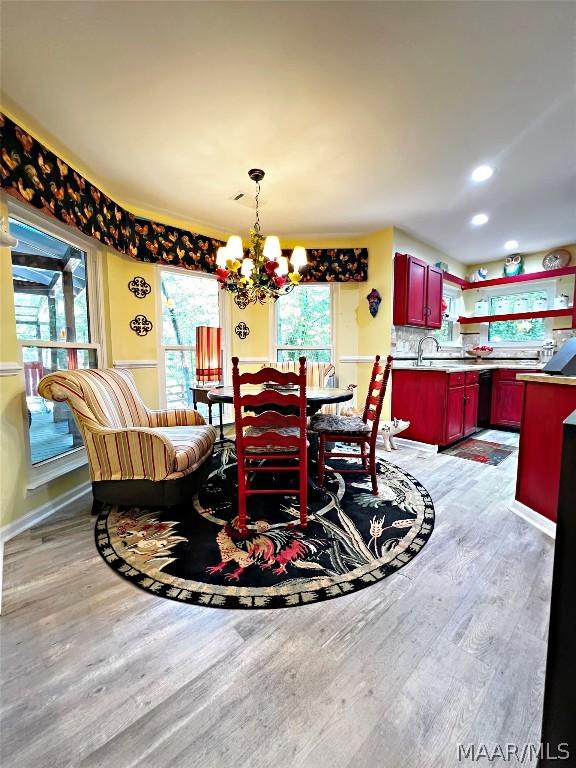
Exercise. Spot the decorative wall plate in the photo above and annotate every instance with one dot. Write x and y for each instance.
(141, 325)
(557, 259)
(139, 287)
(242, 330)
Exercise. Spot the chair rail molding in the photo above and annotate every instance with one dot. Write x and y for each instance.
(253, 360)
(135, 363)
(10, 368)
(356, 359)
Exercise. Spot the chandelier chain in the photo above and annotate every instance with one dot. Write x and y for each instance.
(257, 223)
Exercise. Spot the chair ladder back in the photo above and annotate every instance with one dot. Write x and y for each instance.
(376, 391)
(268, 422)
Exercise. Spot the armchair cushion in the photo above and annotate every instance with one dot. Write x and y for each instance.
(192, 446)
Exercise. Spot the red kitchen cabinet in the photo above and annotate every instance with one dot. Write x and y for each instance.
(507, 398)
(471, 408)
(455, 414)
(417, 292)
(441, 407)
(434, 288)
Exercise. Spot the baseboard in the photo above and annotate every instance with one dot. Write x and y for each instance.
(36, 516)
(416, 444)
(534, 518)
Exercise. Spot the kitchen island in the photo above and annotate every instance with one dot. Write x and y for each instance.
(548, 401)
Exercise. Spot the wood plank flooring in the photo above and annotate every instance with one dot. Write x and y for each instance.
(98, 674)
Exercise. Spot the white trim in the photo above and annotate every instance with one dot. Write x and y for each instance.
(10, 369)
(1, 571)
(534, 518)
(135, 363)
(36, 516)
(58, 344)
(253, 360)
(416, 444)
(51, 469)
(356, 359)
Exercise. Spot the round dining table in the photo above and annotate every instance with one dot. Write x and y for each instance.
(316, 397)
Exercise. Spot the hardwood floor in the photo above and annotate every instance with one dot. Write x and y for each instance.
(449, 650)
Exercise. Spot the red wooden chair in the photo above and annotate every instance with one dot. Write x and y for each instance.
(355, 430)
(271, 437)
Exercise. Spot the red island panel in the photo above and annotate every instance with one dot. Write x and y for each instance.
(546, 406)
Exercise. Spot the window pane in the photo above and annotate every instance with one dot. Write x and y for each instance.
(517, 330)
(304, 318)
(180, 367)
(49, 287)
(187, 301)
(52, 429)
(311, 355)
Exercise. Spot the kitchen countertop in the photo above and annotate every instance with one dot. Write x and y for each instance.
(443, 366)
(545, 378)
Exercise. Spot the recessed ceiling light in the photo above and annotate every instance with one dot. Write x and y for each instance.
(511, 244)
(479, 219)
(482, 173)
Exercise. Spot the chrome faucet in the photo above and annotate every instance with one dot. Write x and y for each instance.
(421, 344)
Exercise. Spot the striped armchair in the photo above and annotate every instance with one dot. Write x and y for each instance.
(136, 455)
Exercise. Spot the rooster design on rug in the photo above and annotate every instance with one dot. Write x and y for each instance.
(264, 547)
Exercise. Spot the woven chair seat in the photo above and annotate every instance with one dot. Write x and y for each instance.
(329, 423)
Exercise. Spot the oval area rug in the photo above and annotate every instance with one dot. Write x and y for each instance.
(196, 554)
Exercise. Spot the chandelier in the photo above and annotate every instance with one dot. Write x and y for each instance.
(264, 274)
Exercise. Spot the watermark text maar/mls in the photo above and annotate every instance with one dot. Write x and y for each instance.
(519, 753)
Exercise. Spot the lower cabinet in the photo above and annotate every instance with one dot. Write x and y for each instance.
(471, 408)
(507, 398)
(441, 407)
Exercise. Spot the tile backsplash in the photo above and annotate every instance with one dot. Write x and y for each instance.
(405, 344)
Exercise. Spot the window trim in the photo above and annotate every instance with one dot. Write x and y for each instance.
(548, 286)
(223, 319)
(275, 347)
(454, 292)
(45, 471)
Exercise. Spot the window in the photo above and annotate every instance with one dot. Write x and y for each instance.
(446, 332)
(51, 279)
(531, 330)
(447, 335)
(304, 324)
(188, 300)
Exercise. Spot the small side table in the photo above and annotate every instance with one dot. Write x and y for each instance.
(200, 395)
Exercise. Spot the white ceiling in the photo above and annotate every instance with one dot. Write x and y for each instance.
(362, 114)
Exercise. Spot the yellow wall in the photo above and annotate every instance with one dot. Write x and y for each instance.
(405, 243)
(121, 306)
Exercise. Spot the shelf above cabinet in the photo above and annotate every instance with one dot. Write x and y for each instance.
(568, 312)
(527, 277)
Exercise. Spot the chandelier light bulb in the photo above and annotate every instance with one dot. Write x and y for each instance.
(283, 268)
(221, 256)
(272, 248)
(234, 247)
(247, 267)
(298, 257)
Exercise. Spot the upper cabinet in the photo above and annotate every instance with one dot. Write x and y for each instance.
(417, 292)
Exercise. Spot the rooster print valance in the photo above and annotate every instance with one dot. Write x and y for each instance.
(32, 173)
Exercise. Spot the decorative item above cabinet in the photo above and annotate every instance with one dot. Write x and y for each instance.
(417, 292)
